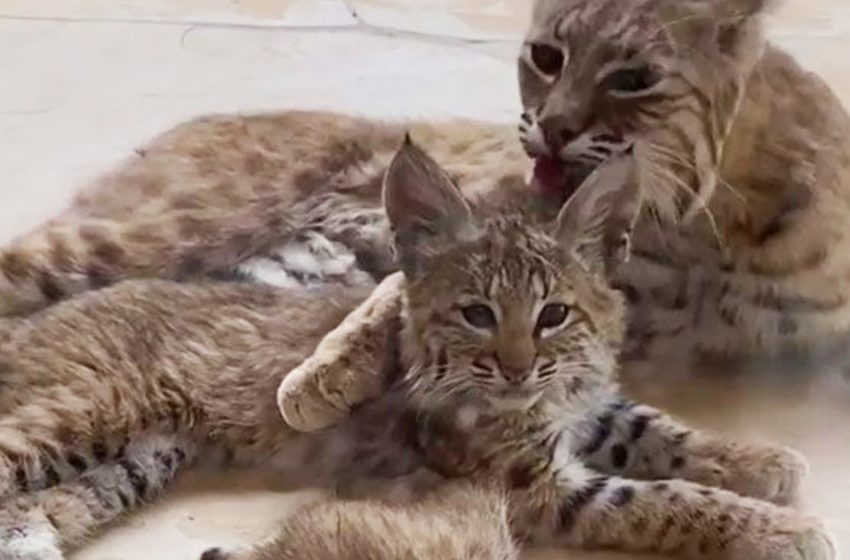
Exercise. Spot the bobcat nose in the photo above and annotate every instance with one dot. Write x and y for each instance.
(516, 362)
(515, 376)
(558, 133)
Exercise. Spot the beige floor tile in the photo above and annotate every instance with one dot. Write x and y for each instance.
(241, 12)
(469, 19)
(63, 120)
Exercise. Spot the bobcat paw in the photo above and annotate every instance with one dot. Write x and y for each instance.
(769, 473)
(773, 474)
(797, 540)
(28, 542)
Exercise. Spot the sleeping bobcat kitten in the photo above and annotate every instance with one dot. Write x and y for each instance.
(506, 379)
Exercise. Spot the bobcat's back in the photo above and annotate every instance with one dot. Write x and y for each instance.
(214, 192)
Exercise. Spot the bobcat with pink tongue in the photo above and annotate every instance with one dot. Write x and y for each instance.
(556, 180)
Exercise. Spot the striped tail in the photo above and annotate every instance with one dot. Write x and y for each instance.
(46, 523)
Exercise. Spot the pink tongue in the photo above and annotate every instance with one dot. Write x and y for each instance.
(550, 176)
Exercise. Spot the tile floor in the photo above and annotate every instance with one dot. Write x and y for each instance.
(84, 81)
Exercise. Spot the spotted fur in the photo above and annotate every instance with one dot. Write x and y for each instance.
(109, 396)
(286, 199)
(744, 166)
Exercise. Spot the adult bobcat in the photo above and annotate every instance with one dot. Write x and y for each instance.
(506, 378)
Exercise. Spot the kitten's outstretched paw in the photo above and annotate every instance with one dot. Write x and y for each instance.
(796, 538)
(773, 474)
(769, 473)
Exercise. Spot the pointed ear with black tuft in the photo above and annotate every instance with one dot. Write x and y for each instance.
(596, 223)
(425, 209)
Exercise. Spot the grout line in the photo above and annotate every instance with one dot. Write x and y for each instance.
(182, 22)
(359, 25)
(406, 33)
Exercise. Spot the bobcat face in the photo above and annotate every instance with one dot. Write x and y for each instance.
(498, 310)
(597, 76)
(507, 318)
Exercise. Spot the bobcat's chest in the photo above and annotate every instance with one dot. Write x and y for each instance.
(511, 450)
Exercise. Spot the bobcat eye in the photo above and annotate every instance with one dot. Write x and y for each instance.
(548, 60)
(552, 315)
(479, 316)
(631, 80)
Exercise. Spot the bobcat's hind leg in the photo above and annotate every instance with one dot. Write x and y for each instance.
(43, 525)
(460, 521)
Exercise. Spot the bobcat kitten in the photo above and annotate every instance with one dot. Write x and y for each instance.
(506, 379)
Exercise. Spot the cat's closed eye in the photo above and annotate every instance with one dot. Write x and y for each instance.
(479, 316)
(552, 316)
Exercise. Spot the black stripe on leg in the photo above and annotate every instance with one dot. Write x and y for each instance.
(126, 501)
(623, 405)
(51, 477)
(619, 456)
(100, 451)
(49, 287)
(136, 476)
(578, 500)
(604, 425)
(102, 495)
(639, 424)
(21, 479)
(77, 462)
(164, 459)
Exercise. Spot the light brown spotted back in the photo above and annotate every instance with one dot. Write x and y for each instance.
(210, 194)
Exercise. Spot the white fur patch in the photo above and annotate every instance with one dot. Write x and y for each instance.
(37, 541)
(310, 260)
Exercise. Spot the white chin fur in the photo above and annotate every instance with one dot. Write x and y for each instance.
(515, 403)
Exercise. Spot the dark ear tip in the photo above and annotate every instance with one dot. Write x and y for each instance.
(408, 141)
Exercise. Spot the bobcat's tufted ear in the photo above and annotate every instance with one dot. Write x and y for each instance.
(733, 27)
(596, 222)
(426, 210)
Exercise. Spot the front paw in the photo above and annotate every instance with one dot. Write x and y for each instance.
(770, 473)
(792, 537)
